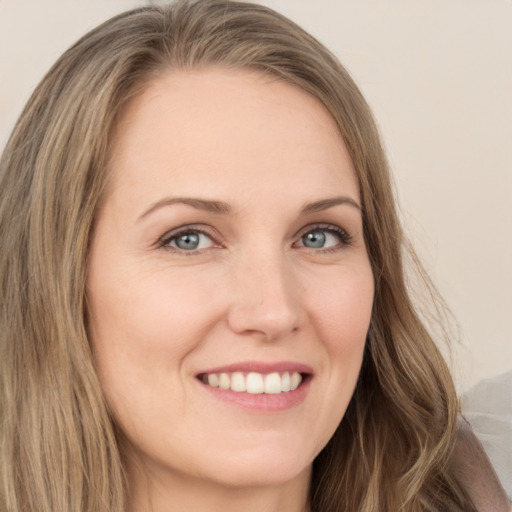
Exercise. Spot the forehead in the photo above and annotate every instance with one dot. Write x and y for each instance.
(216, 127)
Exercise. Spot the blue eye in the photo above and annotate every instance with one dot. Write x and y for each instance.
(190, 240)
(314, 239)
(324, 238)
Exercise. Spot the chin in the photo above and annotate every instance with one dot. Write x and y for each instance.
(244, 474)
(273, 464)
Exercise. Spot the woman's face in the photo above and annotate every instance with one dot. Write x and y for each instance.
(229, 255)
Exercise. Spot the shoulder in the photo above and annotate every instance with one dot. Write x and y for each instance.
(474, 471)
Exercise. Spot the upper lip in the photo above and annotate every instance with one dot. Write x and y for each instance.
(260, 367)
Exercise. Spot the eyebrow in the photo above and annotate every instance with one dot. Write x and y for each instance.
(199, 204)
(222, 208)
(324, 204)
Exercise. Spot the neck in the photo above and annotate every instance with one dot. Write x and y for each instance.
(174, 493)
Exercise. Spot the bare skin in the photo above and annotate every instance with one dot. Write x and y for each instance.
(230, 243)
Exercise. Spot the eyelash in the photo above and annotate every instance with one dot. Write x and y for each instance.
(344, 238)
(185, 230)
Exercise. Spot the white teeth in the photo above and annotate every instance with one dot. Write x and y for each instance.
(272, 383)
(238, 382)
(285, 382)
(295, 380)
(213, 380)
(224, 381)
(254, 383)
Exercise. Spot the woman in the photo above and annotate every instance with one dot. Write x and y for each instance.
(204, 304)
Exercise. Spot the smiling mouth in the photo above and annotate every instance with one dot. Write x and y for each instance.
(253, 382)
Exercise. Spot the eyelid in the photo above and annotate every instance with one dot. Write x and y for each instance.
(164, 240)
(343, 234)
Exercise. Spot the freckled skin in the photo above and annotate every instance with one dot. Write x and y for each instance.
(256, 289)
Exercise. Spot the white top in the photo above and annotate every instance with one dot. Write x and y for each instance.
(488, 408)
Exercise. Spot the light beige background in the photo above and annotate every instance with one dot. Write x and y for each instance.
(438, 74)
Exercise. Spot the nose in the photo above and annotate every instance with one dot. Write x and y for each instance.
(265, 300)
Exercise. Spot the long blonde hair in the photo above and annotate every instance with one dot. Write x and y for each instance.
(58, 444)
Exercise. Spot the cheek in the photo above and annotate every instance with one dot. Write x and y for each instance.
(153, 311)
(342, 317)
(343, 309)
(143, 326)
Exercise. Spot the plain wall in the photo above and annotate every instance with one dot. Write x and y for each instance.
(438, 74)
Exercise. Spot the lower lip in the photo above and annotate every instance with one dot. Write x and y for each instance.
(262, 402)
